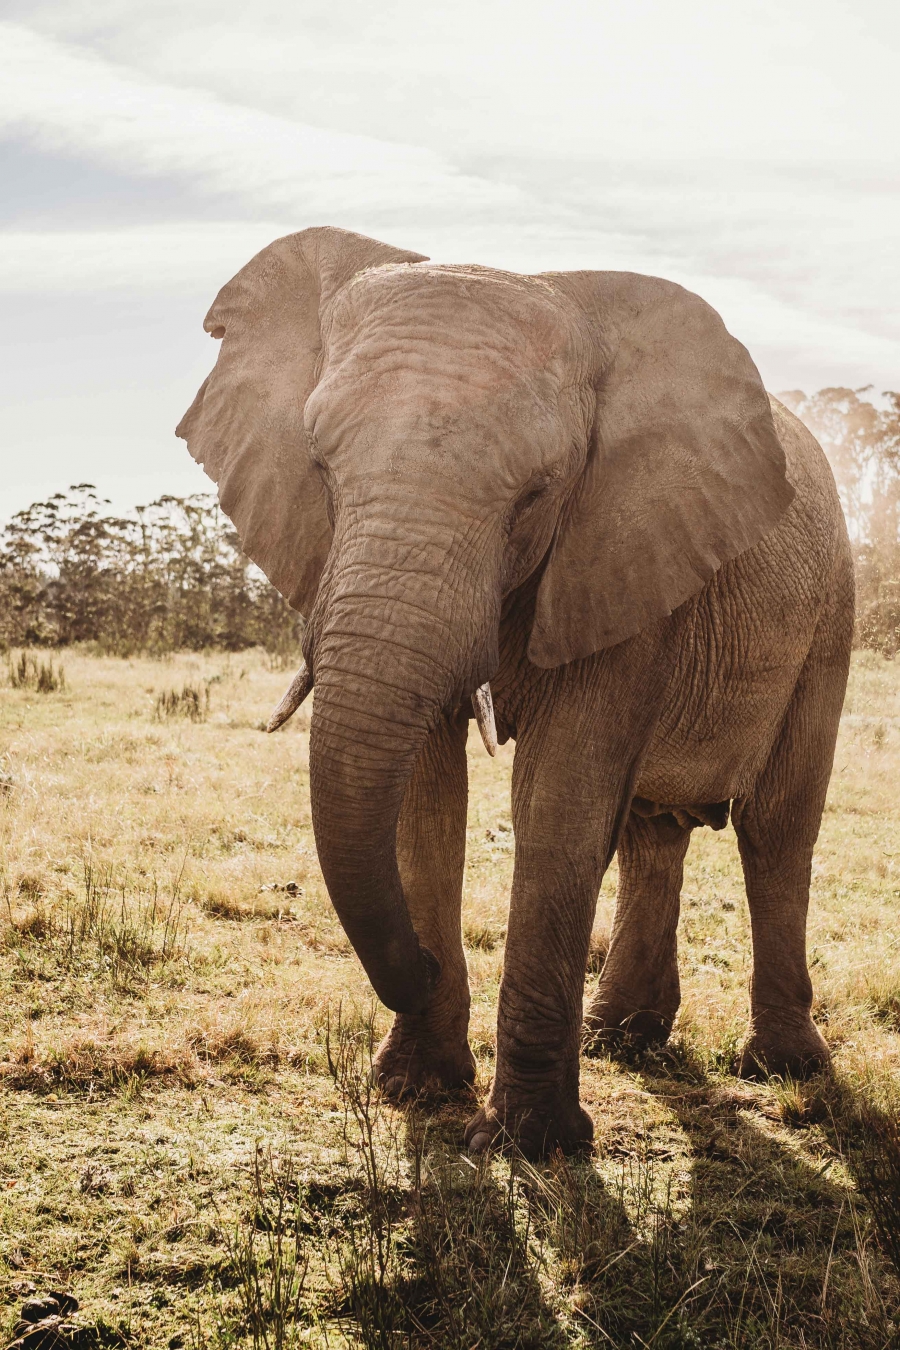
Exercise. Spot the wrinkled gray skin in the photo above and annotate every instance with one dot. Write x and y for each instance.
(574, 486)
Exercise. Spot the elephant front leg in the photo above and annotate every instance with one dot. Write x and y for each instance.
(534, 1103)
(639, 991)
(572, 782)
(430, 1051)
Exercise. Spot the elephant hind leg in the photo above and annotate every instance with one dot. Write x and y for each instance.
(777, 824)
(638, 994)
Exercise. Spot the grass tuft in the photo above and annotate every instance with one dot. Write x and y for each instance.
(233, 1042)
(866, 1119)
(219, 902)
(260, 1287)
(798, 1104)
(597, 951)
(191, 701)
(483, 937)
(104, 930)
(32, 924)
(27, 671)
(432, 1249)
(128, 936)
(883, 998)
(94, 1064)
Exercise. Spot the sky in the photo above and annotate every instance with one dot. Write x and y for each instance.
(147, 151)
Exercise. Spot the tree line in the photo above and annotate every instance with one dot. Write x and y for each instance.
(171, 575)
(166, 577)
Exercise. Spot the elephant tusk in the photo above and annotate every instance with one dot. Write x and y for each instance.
(297, 691)
(483, 706)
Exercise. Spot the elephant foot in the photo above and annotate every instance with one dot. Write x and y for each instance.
(781, 1042)
(411, 1061)
(623, 1017)
(531, 1132)
(612, 1024)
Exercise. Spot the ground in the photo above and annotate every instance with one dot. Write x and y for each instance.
(189, 1144)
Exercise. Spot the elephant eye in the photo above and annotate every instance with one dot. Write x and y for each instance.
(528, 500)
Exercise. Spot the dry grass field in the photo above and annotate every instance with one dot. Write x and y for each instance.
(189, 1144)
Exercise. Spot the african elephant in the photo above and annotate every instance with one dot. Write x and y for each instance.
(572, 486)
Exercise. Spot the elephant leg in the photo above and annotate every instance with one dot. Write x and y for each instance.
(639, 992)
(430, 1050)
(777, 825)
(573, 778)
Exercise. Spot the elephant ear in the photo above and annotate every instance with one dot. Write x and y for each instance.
(246, 424)
(684, 467)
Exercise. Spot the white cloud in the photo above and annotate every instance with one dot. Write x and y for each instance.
(61, 98)
(158, 258)
(651, 78)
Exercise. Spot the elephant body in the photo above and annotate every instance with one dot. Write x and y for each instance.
(574, 486)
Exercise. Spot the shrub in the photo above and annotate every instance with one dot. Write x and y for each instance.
(26, 671)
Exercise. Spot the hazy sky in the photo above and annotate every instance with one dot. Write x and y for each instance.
(148, 150)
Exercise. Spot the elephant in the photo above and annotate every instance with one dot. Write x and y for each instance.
(562, 504)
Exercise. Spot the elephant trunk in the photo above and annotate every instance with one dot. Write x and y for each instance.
(391, 654)
(361, 756)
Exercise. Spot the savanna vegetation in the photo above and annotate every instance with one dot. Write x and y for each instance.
(191, 1147)
(190, 1144)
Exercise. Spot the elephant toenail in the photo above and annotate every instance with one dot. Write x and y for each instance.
(479, 1142)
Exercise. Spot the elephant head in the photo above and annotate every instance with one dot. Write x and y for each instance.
(401, 445)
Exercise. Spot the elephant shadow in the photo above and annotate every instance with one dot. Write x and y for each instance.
(471, 1275)
(732, 1220)
(724, 1225)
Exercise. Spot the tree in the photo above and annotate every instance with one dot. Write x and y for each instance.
(862, 442)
